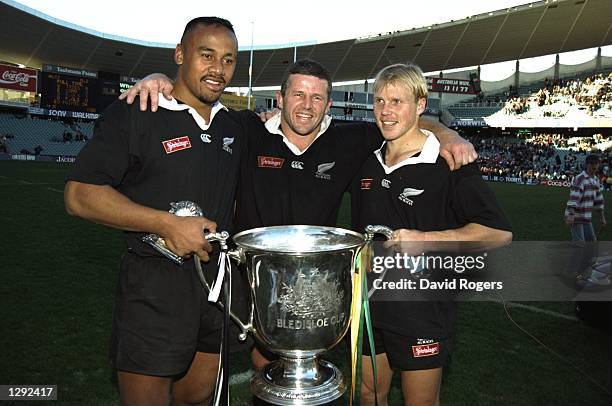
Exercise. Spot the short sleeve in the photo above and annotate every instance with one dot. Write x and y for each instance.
(105, 158)
(474, 202)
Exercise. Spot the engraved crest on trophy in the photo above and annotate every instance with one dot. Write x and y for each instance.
(310, 297)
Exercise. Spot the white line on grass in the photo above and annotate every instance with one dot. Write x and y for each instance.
(55, 190)
(536, 309)
(237, 379)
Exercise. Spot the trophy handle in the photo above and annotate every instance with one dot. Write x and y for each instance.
(245, 328)
(371, 230)
(221, 237)
(157, 243)
(238, 256)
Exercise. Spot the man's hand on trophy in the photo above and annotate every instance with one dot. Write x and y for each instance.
(149, 88)
(185, 236)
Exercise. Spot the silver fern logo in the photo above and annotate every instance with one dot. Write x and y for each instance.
(409, 192)
(323, 168)
(226, 144)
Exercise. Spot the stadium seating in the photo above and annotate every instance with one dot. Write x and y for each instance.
(25, 133)
(573, 97)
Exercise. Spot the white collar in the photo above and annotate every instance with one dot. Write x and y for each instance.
(429, 154)
(273, 127)
(174, 105)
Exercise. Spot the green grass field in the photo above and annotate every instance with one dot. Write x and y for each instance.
(58, 278)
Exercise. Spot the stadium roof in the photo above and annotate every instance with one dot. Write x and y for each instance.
(546, 27)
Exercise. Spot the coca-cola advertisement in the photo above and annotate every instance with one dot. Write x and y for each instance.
(15, 78)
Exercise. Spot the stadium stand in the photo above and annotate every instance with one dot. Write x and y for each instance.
(583, 92)
(589, 96)
(570, 96)
(24, 134)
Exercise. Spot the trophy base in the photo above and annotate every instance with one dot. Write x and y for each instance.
(298, 381)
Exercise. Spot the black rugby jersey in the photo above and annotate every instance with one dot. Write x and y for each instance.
(167, 156)
(280, 187)
(421, 193)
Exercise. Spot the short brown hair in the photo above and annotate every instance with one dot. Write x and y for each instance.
(310, 68)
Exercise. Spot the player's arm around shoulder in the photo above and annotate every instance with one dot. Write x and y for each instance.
(149, 88)
(456, 150)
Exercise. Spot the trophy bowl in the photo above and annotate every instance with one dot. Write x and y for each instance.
(301, 288)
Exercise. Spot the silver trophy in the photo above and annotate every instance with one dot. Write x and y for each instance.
(301, 290)
(182, 209)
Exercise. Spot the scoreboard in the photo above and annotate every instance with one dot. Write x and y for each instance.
(66, 92)
(77, 93)
(444, 85)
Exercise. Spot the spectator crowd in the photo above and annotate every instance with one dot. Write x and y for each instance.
(536, 157)
(561, 98)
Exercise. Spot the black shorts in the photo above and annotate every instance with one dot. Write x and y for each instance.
(162, 317)
(407, 353)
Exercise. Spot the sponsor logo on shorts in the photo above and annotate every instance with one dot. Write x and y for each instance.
(176, 144)
(366, 184)
(323, 168)
(270, 162)
(425, 350)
